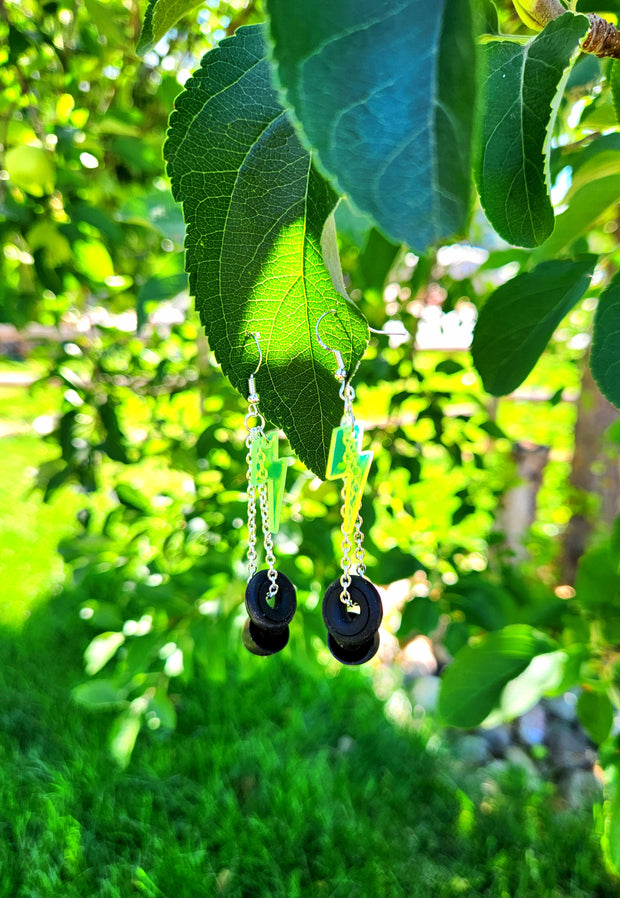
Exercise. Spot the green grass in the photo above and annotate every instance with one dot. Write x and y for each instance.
(257, 794)
(276, 784)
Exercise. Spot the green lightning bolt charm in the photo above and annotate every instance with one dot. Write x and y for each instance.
(347, 460)
(266, 467)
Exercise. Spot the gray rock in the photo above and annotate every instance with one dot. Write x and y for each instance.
(425, 692)
(568, 747)
(563, 706)
(498, 739)
(532, 726)
(517, 757)
(580, 788)
(473, 750)
(496, 769)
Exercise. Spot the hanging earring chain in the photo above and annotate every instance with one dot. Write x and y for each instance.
(270, 558)
(352, 472)
(352, 464)
(255, 442)
(254, 430)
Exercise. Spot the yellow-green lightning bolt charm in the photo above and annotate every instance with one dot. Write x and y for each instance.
(348, 461)
(267, 468)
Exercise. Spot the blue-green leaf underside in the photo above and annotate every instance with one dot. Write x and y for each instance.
(605, 353)
(520, 317)
(519, 86)
(384, 92)
(159, 18)
(256, 213)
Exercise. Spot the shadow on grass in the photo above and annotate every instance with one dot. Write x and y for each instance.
(284, 783)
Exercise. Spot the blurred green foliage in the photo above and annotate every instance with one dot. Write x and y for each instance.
(145, 444)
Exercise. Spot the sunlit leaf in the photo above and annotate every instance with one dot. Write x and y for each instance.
(31, 168)
(99, 651)
(133, 498)
(543, 675)
(611, 838)
(159, 17)
(593, 197)
(473, 683)
(93, 260)
(123, 737)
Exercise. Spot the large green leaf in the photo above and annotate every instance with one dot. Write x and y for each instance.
(472, 685)
(385, 93)
(597, 583)
(519, 318)
(596, 714)
(605, 354)
(259, 227)
(159, 18)
(544, 674)
(520, 87)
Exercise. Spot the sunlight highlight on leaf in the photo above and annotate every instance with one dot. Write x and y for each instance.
(256, 210)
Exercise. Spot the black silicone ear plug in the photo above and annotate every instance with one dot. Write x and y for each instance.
(263, 642)
(259, 609)
(346, 627)
(357, 654)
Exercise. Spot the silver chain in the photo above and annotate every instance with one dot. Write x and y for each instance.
(270, 558)
(252, 556)
(359, 546)
(257, 431)
(345, 560)
(347, 393)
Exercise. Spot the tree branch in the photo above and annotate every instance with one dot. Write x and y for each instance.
(603, 38)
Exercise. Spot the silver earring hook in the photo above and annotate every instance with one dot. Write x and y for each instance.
(341, 373)
(251, 383)
(256, 336)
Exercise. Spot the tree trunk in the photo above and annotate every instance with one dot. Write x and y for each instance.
(595, 471)
(518, 511)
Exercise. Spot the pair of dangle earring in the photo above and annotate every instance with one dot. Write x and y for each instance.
(270, 598)
(352, 609)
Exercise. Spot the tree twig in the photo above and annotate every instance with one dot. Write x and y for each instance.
(603, 38)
